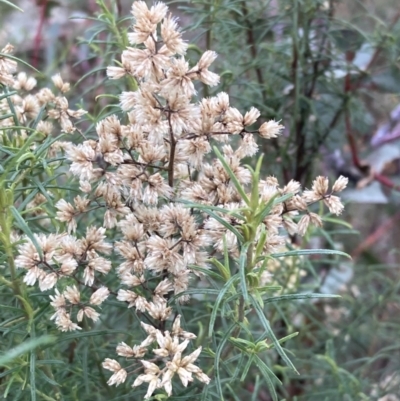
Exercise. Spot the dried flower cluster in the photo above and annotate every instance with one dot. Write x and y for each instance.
(147, 176)
(7, 67)
(28, 105)
(61, 255)
(168, 353)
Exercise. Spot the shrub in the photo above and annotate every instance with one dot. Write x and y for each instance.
(159, 241)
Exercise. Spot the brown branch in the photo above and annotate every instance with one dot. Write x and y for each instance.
(171, 154)
(146, 165)
(302, 166)
(379, 48)
(253, 47)
(321, 47)
(351, 87)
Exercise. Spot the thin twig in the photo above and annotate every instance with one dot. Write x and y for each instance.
(253, 48)
(171, 154)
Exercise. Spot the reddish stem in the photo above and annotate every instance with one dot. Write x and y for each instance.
(349, 132)
(387, 182)
(352, 141)
(38, 36)
(374, 237)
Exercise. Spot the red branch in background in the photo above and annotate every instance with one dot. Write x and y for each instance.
(349, 87)
(38, 36)
(384, 180)
(374, 237)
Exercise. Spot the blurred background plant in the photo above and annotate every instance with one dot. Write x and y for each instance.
(329, 71)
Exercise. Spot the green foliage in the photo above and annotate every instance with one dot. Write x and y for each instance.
(305, 63)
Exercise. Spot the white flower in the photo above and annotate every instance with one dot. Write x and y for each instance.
(48, 281)
(340, 184)
(119, 375)
(99, 296)
(151, 376)
(251, 116)
(72, 294)
(270, 129)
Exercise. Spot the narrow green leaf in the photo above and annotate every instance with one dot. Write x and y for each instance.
(206, 272)
(42, 188)
(255, 196)
(25, 147)
(91, 72)
(226, 255)
(301, 252)
(40, 150)
(233, 392)
(11, 104)
(27, 306)
(234, 297)
(46, 378)
(24, 227)
(221, 295)
(226, 225)
(256, 389)
(288, 337)
(32, 369)
(275, 200)
(267, 327)
(269, 288)
(259, 165)
(11, 5)
(267, 373)
(24, 157)
(39, 117)
(337, 221)
(243, 270)
(25, 347)
(11, 308)
(4, 116)
(18, 60)
(247, 368)
(7, 94)
(291, 297)
(239, 344)
(204, 394)
(9, 384)
(232, 176)
(16, 127)
(199, 206)
(239, 366)
(85, 366)
(206, 291)
(93, 333)
(225, 272)
(218, 359)
(50, 362)
(7, 150)
(261, 241)
(7, 372)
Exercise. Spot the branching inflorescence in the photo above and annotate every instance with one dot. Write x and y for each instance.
(168, 205)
